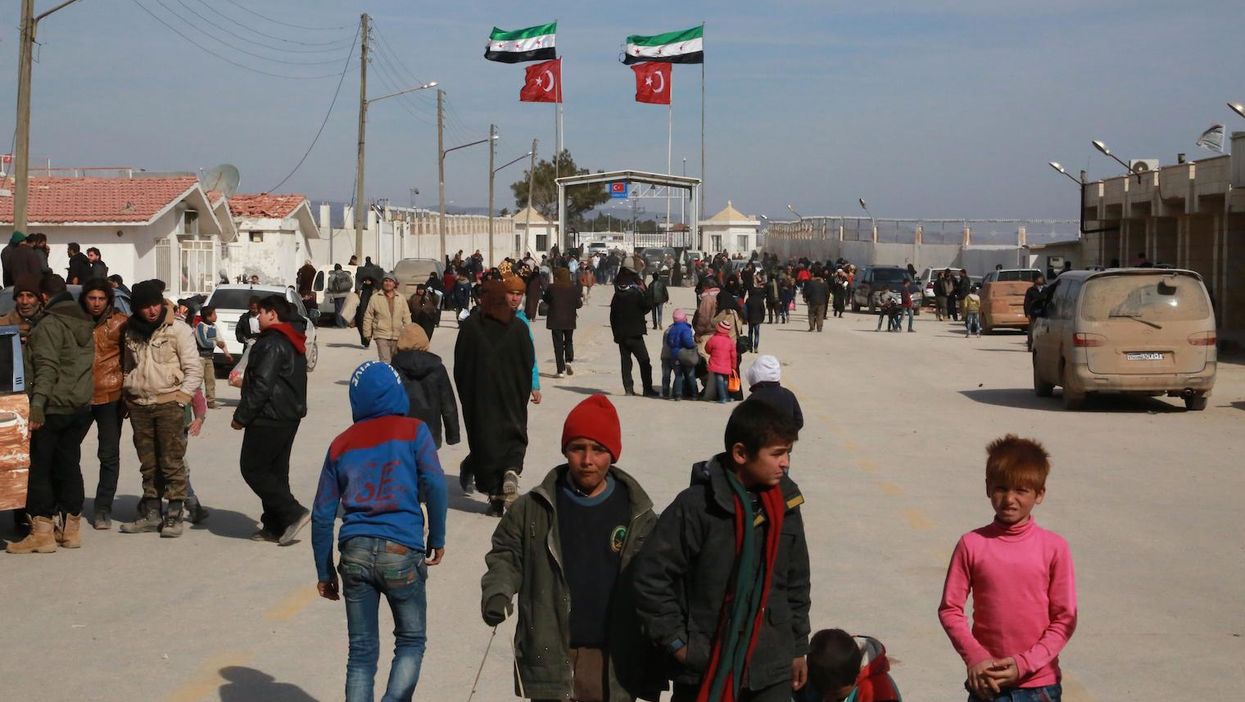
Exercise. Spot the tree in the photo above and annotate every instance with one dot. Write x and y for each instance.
(545, 190)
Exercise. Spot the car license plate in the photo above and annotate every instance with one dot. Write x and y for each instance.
(1145, 356)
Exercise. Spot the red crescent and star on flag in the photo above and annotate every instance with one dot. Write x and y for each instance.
(543, 82)
(652, 82)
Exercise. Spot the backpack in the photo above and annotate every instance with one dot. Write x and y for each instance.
(339, 282)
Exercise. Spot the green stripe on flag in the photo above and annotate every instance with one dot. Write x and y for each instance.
(527, 33)
(667, 38)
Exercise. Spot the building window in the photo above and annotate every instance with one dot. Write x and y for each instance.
(164, 260)
(197, 262)
(542, 242)
(743, 246)
(257, 237)
(190, 223)
(715, 242)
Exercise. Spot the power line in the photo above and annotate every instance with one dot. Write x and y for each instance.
(285, 24)
(323, 122)
(335, 44)
(226, 59)
(388, 50)
(239, 48)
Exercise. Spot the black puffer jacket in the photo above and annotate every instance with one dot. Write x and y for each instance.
(428, 388)
(683, 571)
(627, 312)
(274, 385)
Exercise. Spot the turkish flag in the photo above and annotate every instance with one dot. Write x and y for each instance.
(544, 82)
(652, 82)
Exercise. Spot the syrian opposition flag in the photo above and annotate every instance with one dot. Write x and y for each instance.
(687, 46)
(530, 44)
(544, 82)
(652, 82)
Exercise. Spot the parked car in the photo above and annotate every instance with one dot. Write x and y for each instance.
(596, 247)
(412, 272)
(1003, 298)
(655, 256)
(869, 281)
(1145, 331)
(231, 301)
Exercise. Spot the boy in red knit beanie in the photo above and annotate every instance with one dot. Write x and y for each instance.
(593, 517)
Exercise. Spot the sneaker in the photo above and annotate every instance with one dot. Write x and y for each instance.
(290, 535)
(510, 488)
(103, 519)
(464, 479)
(264, 535)
(569, 370)
(651, 393)
(560, 376)
(496, 507)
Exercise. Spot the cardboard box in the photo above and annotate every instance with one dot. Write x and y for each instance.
(14, 450)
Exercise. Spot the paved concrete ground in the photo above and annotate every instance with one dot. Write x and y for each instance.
(891, 462)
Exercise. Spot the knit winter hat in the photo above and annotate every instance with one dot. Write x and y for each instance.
(514, 283)
(26, 283)
(765, 369)
(412, 338)
(146, 294)
(724, 326)
(17, 238)
(595, 418)
(679, 315)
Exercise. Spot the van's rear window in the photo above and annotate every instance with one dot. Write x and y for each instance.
(1011, 276)
(1167, 298)
(234, 299)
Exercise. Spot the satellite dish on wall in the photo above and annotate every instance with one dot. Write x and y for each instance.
(223, 178)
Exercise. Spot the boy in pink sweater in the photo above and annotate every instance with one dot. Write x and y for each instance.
(1021, 579)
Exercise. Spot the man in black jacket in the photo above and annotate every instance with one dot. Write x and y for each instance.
(722, 584)
(628, 309)
(817, 295)
(79, 265)
(273, 404)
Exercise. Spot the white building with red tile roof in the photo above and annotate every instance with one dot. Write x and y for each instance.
(144, 225)
(274, 235)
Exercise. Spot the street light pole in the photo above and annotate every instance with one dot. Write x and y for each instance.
(492, 154)
(441, 152)
(360, 207)
(21, 155)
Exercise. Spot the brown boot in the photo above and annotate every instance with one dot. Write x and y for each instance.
(71, 534)
(41, 539)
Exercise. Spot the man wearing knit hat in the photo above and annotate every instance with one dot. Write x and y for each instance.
(575, 607)
(26, 313)
(386, 314)
(628, 320)
(493, 361)
(162, 373)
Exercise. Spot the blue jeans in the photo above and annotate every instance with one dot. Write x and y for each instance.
(338, 320)
(719, 381)
(907, 312)
(972, 323)
(657, 317)
(754, 336)
(369, 569)
(1050, 693)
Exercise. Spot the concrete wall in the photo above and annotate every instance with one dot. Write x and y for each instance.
(976, 259)
(405, 233)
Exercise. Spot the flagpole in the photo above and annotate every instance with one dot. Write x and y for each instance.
(669, 143)
(702, 112)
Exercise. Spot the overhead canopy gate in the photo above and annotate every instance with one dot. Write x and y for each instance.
(690, 185)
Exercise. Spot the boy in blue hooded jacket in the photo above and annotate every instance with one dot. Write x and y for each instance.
(379, 471)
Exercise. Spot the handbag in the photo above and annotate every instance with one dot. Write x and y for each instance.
(542, 309)
(732, 383)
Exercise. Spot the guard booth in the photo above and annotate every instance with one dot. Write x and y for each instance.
(684, 184)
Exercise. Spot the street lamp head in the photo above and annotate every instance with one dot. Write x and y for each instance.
(430, 84)
(1057, 166)
(1101, 147)
(1237, 107)
(863, 206)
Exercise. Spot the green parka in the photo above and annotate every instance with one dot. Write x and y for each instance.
(526, 558)
(62, 352)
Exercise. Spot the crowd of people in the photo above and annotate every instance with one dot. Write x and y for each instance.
(707, 598)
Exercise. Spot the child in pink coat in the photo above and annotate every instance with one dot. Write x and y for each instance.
(722, 357)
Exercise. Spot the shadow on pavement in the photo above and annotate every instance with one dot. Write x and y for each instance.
(1239, 404)
(339, 345)
(465, 503)
(1023, 398)
(246, 684)
(582, 390)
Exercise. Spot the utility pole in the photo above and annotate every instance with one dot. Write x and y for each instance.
(441, 166)
(21, 156)
(531, 177)
(360, 205)
(492, 148)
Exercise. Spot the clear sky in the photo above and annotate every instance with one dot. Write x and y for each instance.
(948, 109)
